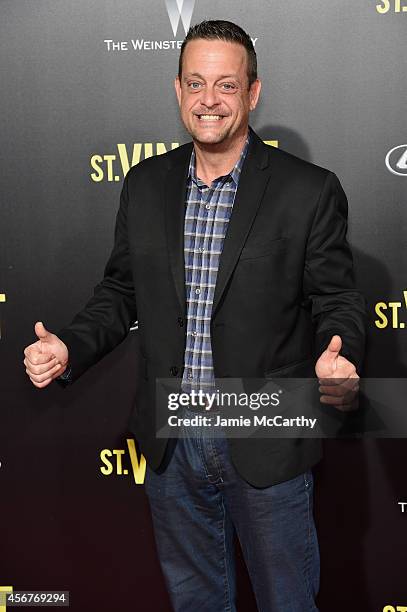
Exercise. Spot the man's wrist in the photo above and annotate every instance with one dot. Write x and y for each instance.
(66, 376)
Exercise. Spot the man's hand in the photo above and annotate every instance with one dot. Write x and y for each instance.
(46, 359)
(338, 379)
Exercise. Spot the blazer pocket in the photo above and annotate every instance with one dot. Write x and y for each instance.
(303, 368)
(262, 249)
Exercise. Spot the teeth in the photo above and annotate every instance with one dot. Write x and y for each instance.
(210, 117)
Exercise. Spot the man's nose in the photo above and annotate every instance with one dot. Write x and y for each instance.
(209, 97)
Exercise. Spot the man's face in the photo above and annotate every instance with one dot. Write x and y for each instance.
(213, 92)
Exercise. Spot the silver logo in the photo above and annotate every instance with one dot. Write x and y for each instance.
(180, 10)
(396, 160)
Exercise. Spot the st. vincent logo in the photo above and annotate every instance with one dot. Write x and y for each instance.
(114, 166)
(396, 160)
(180, 10)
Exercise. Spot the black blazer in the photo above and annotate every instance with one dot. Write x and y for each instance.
(285, 285)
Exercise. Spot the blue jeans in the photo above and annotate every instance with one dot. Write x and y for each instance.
(199, 501)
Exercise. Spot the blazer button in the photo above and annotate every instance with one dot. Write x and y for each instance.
(180, 321)
(174, 370)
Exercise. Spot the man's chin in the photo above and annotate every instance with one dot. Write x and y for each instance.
(212, 138)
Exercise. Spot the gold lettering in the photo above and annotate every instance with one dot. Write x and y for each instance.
(378, 310)
(119, 453)
(272, 143)
(109, 159)
(394, 307)
(98, 175)
(109, 467)
(139, 467)
(4, 589)
(148, 150)
(384, 7)
(124, 158)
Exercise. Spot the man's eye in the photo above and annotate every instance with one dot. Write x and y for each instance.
(194, 85)
(228, 86)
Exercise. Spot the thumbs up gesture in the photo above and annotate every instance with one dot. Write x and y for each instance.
(338, 379)
(46, 358)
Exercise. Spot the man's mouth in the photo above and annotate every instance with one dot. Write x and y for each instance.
(210, 117)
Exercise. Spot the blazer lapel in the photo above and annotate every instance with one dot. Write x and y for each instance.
(252, 184)
(175, 194)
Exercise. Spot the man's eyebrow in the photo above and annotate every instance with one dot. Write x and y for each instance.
(228, 76)
(199, 76)
(193, 74)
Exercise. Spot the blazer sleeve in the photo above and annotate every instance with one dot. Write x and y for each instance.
(105, 320)
(337, 307)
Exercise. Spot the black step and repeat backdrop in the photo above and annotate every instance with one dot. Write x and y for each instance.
(86, 93)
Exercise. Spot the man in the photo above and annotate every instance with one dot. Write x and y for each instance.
(233, 257)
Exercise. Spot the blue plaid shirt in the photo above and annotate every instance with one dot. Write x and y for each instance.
(207, 214)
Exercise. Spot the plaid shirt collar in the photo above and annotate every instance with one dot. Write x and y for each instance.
(234, 174)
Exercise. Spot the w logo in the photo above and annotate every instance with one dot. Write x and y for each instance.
(180, 9)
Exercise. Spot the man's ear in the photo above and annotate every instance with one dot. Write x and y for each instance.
(254, 93)
(177, 85)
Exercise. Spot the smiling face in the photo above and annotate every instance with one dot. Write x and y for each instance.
(213, 93)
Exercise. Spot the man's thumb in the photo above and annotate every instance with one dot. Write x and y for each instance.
(42, 333)
(334, 347)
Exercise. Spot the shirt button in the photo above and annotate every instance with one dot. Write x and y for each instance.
(207, 206)
(194, 333)
(197, 291)
(189, 376)
(201, 250)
